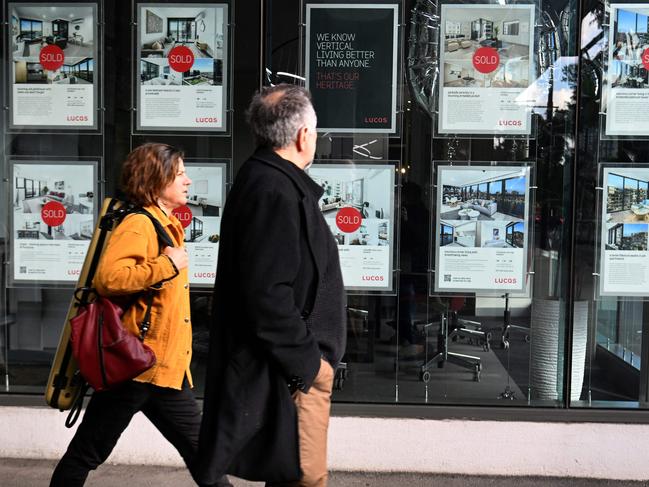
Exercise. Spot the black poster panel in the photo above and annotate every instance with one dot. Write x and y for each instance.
(351, 66)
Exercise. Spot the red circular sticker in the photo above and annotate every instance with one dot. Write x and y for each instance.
(348, 219)
(184, 215)
(181, 58)
(51, 57)
(645, 58)
(486, 59)
(53, 213)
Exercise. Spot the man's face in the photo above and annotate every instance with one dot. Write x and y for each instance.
(312, 139)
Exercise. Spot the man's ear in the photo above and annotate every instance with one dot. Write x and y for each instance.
(301, 140)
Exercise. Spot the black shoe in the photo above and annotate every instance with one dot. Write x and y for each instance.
(222, 482)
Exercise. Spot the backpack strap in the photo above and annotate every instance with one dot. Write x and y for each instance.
(164, 240)
(163, 237)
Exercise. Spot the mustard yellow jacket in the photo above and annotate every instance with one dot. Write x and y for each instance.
(130, 264)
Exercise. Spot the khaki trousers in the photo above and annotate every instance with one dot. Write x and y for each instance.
(313, 423)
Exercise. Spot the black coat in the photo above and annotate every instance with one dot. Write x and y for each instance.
(271, 254)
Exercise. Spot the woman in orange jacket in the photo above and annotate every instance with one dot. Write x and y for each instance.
(153, 177)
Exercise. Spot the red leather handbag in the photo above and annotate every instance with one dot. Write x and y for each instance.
(107, 354)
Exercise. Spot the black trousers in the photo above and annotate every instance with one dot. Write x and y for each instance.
(174, 412)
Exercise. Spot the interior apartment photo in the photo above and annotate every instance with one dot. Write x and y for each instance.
(197, 28)
(629, 41)
(70, 27)
(35, 185)
(205, 200)
(362, 188)
(464, 30)
(475, 194)
(627, 236)
(156, 71)
(627, 195)
(77, 71)
(495, 234)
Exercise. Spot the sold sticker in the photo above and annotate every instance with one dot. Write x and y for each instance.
(53, 214)
(181, 59)
(348, 219)
(51, 57)
(645, 58)
(184, 215)
(486, 59)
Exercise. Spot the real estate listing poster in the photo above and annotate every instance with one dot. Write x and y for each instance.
(182, 69)
(53, 218)
(351, 66)
(201, 218)
(53, 65)
(482, 228)
(358, 206)
(624, 253)
(486, 65)
(627, 93)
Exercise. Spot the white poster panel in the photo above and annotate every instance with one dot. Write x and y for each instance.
(482, 228)
(53, 65)
(358, 206)
(627, 94)
(182, 66)
(486, 66)
(201, 218)
(53, 219)
(624, 258)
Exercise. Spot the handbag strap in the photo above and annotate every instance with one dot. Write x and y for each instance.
(164, 240)
(146, 321)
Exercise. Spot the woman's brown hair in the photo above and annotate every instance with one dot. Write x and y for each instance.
(147, 170)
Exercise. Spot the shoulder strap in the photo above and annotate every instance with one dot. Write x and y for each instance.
(163, 237)
(164, 240)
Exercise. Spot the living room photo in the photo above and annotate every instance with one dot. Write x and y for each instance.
(627, 236)
(156, 71)
(360, 187)
(35, 185)
(627, 195)
(487, 234)
(466, 28)
(77, 71)
(198, 28)
(70, 27)
(628, 43)
(205, 194)
(483, 194)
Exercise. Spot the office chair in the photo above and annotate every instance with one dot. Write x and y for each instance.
(508, 327)
(453, 327)
(443, 355)
(463, 328)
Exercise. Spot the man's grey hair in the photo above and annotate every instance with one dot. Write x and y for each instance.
(277, 113)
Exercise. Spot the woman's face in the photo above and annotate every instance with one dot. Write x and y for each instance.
(175, 194)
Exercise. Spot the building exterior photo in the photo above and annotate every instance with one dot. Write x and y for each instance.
(497, 158)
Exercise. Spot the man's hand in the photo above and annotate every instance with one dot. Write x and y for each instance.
(178, 256)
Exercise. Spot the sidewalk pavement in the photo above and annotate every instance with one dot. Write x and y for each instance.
(36, 473)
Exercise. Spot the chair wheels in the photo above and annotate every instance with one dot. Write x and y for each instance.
(476, 372)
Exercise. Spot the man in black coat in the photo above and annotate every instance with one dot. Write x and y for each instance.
(279, 320)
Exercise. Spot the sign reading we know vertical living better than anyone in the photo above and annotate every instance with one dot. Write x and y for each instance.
(351, 66)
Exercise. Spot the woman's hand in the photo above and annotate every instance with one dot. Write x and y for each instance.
(178, 255)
